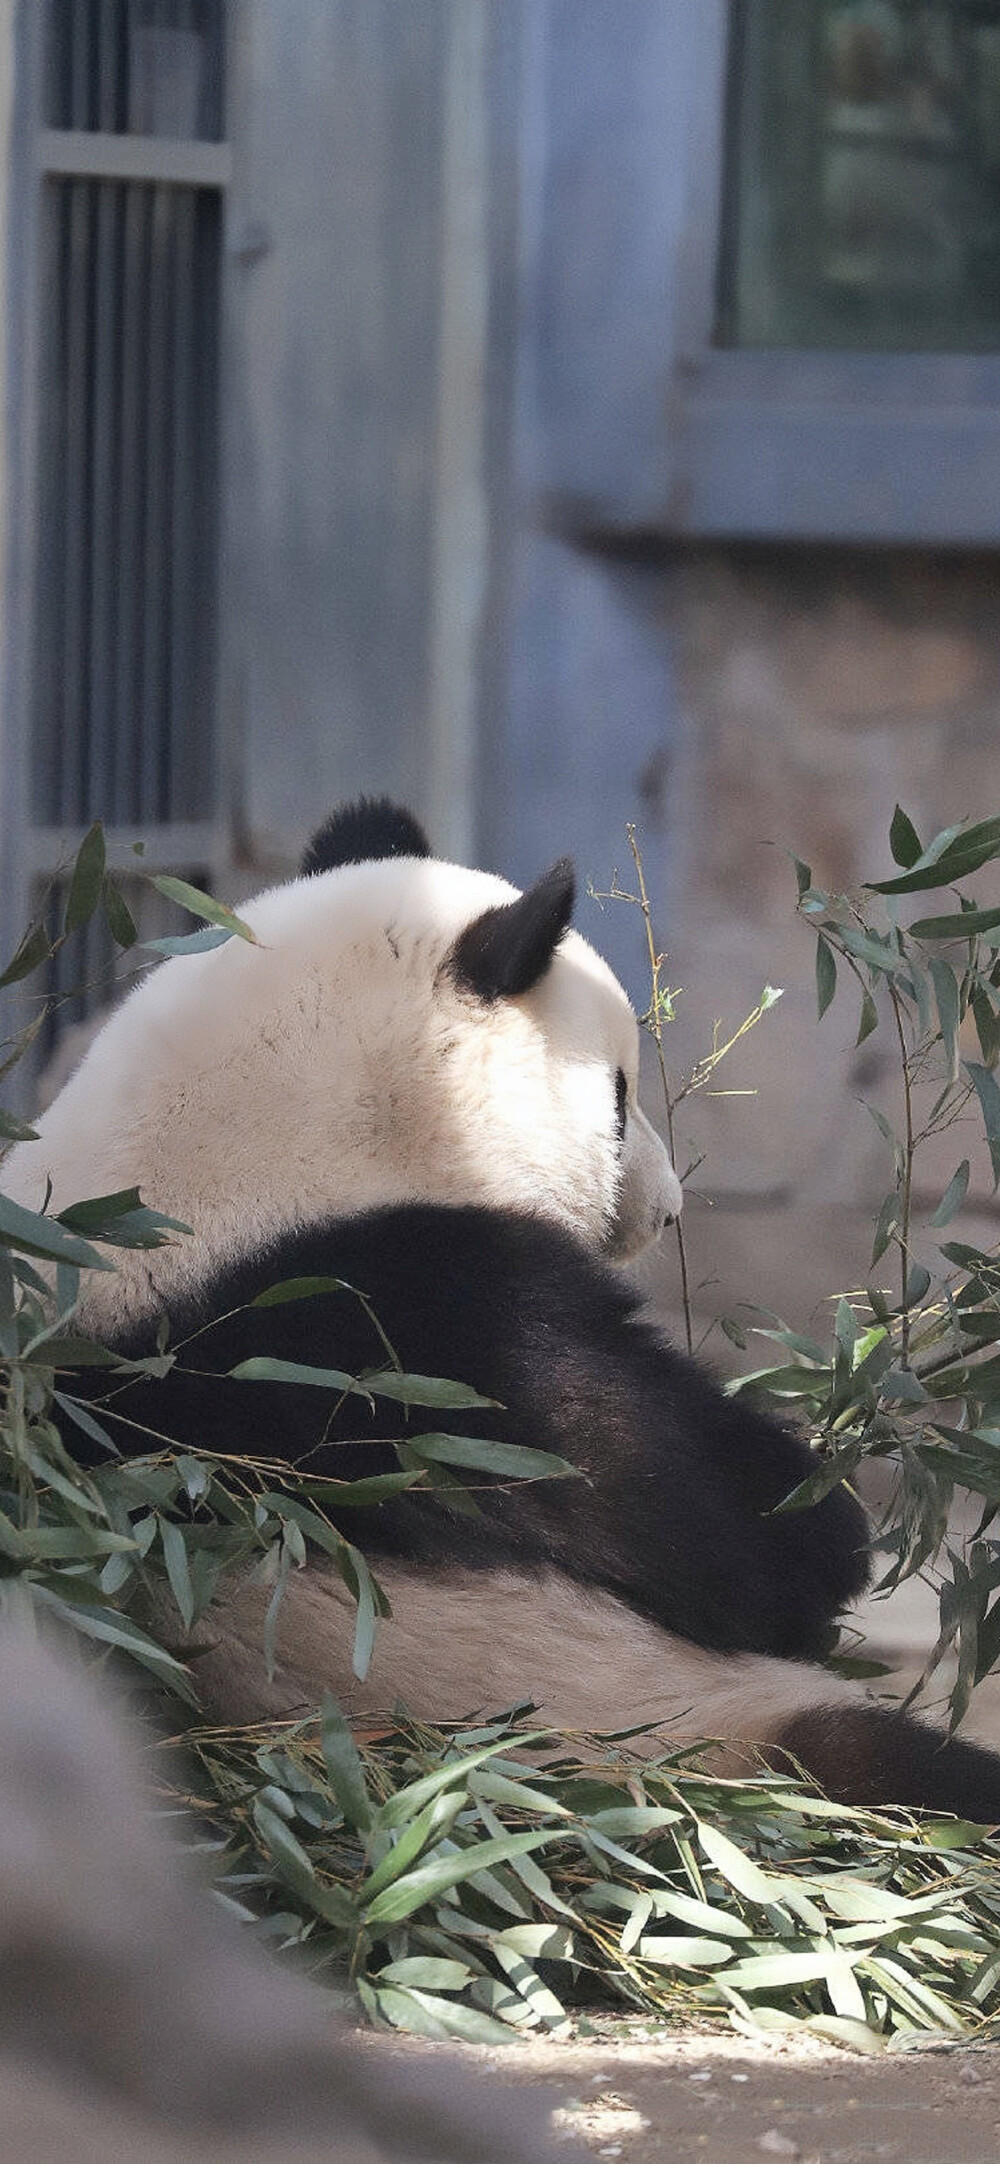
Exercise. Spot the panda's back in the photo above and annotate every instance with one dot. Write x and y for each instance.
(669, 1503)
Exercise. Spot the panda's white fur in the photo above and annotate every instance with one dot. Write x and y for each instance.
(453, 1647)
(415, 1074)
(250, 1089)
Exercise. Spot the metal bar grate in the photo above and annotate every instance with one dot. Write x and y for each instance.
(136, 67)
(123, 723)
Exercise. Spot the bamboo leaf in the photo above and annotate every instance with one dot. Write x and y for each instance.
(843, 1987)
(118, 916)
(296, 1868)
(176, 1563)
(202, 905)
(110, 1628)
(889, 1136)
(538, 1942)
(903, 840)
(868, 1020)
(84, 1420)
(964, 925)
(358, 1578)
(918, 1283)
(385, 1383)
(188, 942)
(828, 1475)
(15, 1130)
(954, 1195)
(775, 1972)
(987, 1025)
(34, 949)
(361, 1494)
(634, 1820)
(519, 1795)
(400, 1807)
(952, 855)
(33, 1234)
(432, 1390)
(425, 1831)
(427, 2015)
(803, 876)
(984, 1084)
(290, 1510)
(428, 1880)
(784, 1382)
(736, 1867)
(946, 996)
(340, 1757)
(506, 1460)
(685, 1951)
(826, 974)
(299, 1288)
(425, 1972)
(122, 1220)
(876, 953)
(86, 881)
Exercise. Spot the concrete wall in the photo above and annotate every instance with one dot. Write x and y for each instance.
(819, 687)
(333, 325)
(354, 520)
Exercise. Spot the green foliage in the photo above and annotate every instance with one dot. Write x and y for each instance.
(661, 1011)
(476, 1891)
(912, 1371)
(201, 905)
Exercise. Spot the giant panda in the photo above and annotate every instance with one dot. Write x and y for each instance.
(422, 1083)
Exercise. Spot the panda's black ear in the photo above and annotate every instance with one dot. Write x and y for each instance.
(372, 828)
(507, 950)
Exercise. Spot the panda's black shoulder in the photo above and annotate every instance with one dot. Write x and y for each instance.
(675, 1509)
(484, 1281)
(503, 1288)
(513, 1246)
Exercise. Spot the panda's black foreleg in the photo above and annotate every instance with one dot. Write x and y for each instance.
(868, 1754)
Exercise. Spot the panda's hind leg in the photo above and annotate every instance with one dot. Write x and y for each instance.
(464, 1642)
(874, 1754)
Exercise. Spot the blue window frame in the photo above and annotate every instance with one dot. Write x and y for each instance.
(647, 420)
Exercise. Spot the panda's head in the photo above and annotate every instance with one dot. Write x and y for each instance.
(405, 1030)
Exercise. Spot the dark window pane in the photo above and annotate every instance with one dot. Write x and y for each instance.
(863, 185)
(141, 67)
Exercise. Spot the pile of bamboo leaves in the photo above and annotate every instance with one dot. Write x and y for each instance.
(502, 1879)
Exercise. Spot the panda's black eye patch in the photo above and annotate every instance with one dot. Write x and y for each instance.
(621, 1103)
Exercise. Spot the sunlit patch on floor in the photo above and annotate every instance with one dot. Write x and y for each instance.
(603, 2121)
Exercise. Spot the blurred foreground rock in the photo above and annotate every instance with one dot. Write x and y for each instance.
(137, 2021)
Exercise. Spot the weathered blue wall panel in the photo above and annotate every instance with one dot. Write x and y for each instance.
(591, 743)
(591, 724)
(335, 232)
(629, 186)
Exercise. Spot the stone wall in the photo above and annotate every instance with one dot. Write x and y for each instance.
(819, 686)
